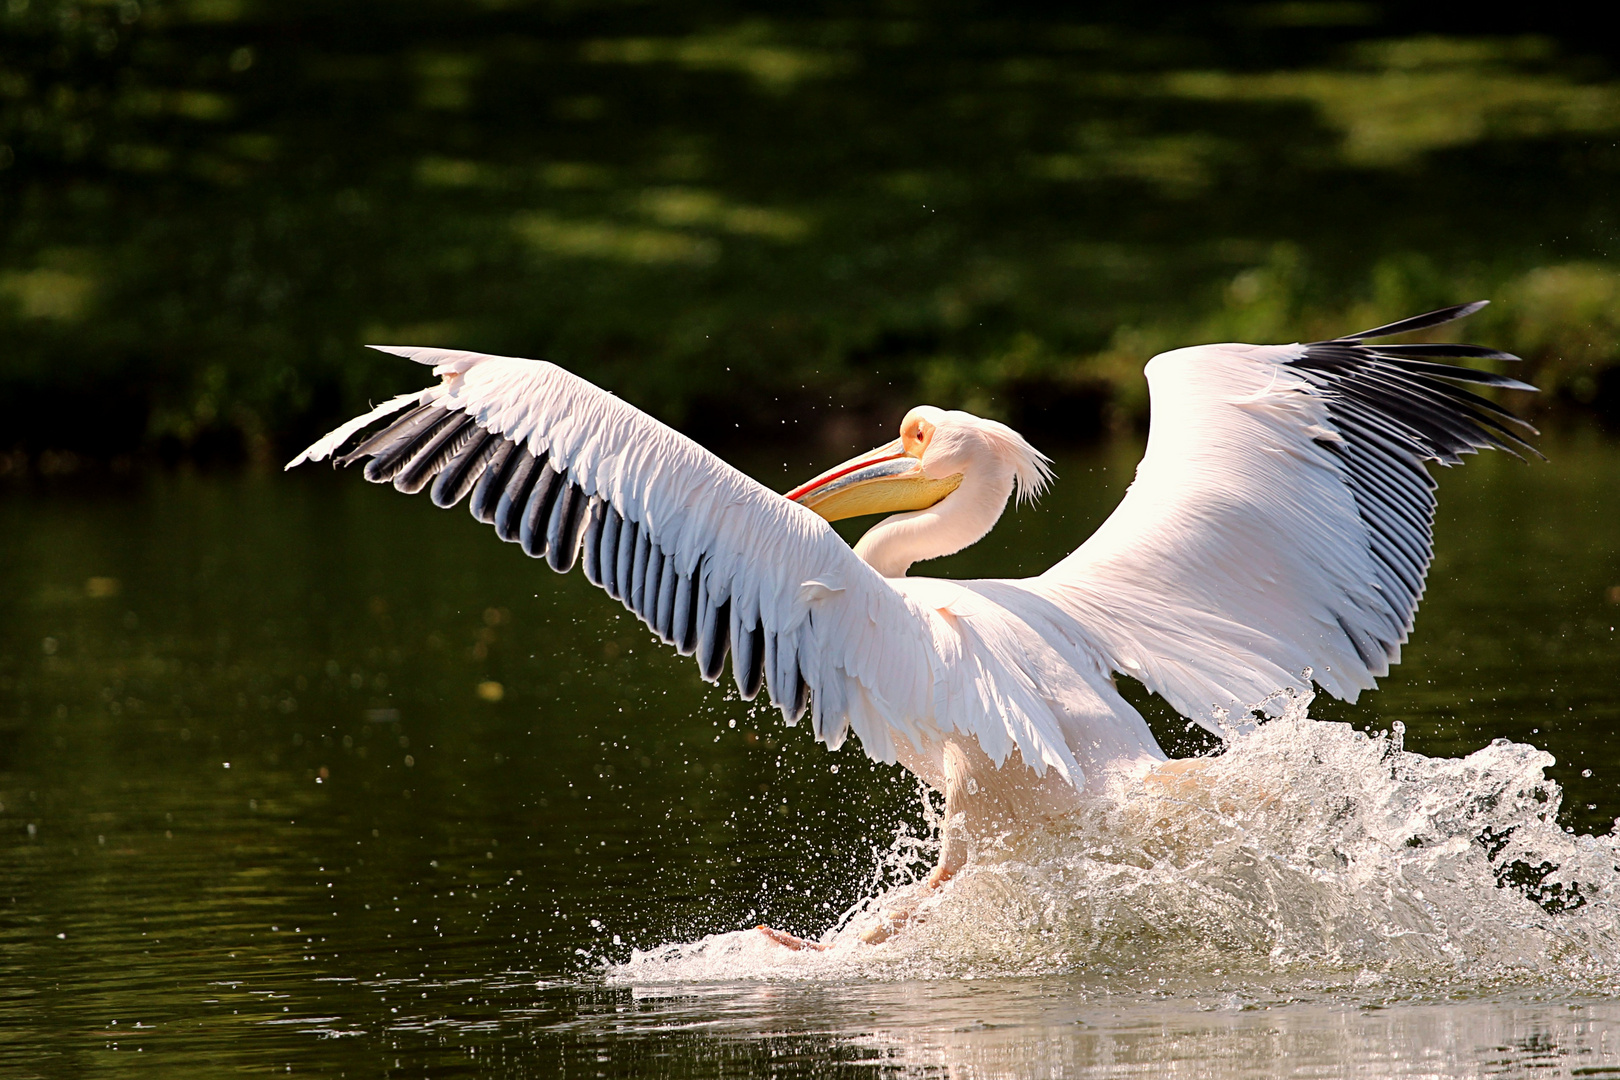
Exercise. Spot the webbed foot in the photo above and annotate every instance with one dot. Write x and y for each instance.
(791, 941)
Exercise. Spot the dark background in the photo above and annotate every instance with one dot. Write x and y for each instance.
(739, 215)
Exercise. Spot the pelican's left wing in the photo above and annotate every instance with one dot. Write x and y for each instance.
(1282, 516)
(711, 560)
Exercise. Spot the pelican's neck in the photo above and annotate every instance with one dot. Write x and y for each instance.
(959, 519)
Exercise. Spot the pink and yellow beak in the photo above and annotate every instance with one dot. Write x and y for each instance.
(886, 480)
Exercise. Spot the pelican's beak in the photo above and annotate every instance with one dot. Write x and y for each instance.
(881, 481)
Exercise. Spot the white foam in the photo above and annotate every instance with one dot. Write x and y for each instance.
(1306, 854)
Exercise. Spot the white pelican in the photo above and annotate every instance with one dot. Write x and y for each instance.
(1277, 533)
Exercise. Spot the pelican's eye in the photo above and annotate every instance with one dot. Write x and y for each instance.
(915, 436)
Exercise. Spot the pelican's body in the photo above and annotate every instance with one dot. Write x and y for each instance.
(1277, 534)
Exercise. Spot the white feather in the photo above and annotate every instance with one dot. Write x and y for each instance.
(1223, 574)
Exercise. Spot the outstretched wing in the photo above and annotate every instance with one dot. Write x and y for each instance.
(709, 559)
(1281, 519)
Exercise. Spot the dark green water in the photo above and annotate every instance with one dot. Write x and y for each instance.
(262, 811)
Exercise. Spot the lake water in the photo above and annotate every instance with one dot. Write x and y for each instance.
(300, 775)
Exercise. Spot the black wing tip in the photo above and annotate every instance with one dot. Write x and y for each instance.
(1505, 383)
(1405, 393)
(1435, 349)
(1438, 317)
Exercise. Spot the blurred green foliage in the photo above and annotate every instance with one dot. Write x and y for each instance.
(753, 220)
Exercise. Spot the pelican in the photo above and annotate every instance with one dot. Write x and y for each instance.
(1276, 535)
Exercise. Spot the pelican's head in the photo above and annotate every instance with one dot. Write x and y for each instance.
(960, 466)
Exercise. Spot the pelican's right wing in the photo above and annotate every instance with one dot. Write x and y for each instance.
(711, 560)
(1282, 516)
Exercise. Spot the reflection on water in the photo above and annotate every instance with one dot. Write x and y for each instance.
(1055, 1028)
(298, 773)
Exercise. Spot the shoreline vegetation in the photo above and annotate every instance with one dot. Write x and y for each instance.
(787, 220)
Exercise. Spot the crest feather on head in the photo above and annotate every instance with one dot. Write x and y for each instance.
(1031, 469)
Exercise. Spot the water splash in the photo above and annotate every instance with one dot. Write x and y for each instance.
(1306, 853)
